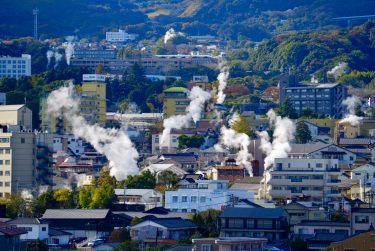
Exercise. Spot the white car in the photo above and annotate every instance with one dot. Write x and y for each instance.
(95, 243)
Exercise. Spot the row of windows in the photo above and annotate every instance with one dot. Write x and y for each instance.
(4, 140)
(202, 199)
(7, 184)
(7, 173)
(2, 62)
(4, 151)
(297, 189)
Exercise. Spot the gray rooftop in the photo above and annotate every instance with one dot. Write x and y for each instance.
(28, 221)
(75, 214)
(306, 148)
(238, 212)
(324, 223)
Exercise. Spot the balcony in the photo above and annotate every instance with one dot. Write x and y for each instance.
(288, 182)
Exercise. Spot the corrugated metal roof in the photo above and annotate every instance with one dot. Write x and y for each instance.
(10, 107)
(75, 214)
(174, 223)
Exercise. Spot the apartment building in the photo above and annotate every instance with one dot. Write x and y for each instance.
(175, 101)
(313, 179)
(119, 36)
(200, 195)
(362, 220)
(92, 95)
(322, 99)
(15, 67)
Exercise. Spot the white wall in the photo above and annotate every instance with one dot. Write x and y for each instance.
(36, 233)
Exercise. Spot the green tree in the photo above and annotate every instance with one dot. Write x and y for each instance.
(85, 196)
(308, 113)
(64, 197)
(303, 134)
(145, 180)
(242, 126)
(299, 244)
(169, 179)
(192, 141)
(358, 111)
(15, 205)
(287, 110)
(42, 202)
(207, 222)
(127, 246)
(136, 221)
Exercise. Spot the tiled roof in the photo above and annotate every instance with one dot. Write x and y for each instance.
(75, 214)
(30, 221)
(230, 212)
(306, 148)
(356, 141)
(174, 223)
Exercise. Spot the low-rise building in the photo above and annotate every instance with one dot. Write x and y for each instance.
(361, 219)
(10, 237)
(119, 36)
(232, 243)
(199, 195)
(149, 198)
(363, 241)
(229, 170)
(35, 229)
(270, 223)
(16, 115)
(312, 227)
(298, 212)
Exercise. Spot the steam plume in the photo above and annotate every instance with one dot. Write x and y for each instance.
(49, 57)
(114, 144)
(58, 58)
(198, 98)
(25, 194)
(223, 78)
(338, 70)
(171, 33)
(69, 50)
(232, 139)
(350, 117)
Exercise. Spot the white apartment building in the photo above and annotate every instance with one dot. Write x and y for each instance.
(119, 36)
(203, 195)
(315, 179)
(15, 67)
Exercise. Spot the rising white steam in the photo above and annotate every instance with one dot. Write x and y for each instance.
(49, 57)
(198, 98)
(350, 117)
(283, 133)
(69, 50)
(114, 144)
(338, 70)
(26, 195)
(223, 79)
(58, 58)
(241, 141)
(171, 33)
(314, 80)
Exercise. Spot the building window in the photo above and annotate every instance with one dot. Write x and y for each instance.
(1, 184)
(7, 162)
(361, 219)
(202, 199)
(250, 223)
(4, 140)
(193, 199)
(174, 199)
(7, 184)
(22, 140)
(184, 199)
(264, 223)
(1, 161)
(206, 247)
(321, 230)
(7, 173)
(235, 223)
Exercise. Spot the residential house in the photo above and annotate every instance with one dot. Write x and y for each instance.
(147, 197)
(309, 227)
(229, 170)
(36, 230)
(361, 219)
(10, 237)
(153, 232)
(271, 223)
(89, 223)
(165, 165)
(155, 213)
(358, 242)
(58, 237)
(251, 184)
(200, 195)
(299, 212)
(232, 243)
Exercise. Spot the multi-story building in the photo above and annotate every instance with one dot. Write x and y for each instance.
(271, 223)
(97, 53)
(362, 219)
(315, 179)
(175, 101)
(229, 170)
(19, 115)
(322, 99)
(201, 195)
(149, 198)
(232, 243)
(92, 96)
(119, 36)
(313, 227)
(15, 67)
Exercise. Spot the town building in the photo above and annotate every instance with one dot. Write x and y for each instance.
(15, 67)
(362, 241)
(232, 243)
(361, 219)
(10, 237)
(299, 212)
(175, 101)
(16, 115)
(3, 98)
(154, 232)
(321, 99)
(58, 237)
(149, 198)
(97, 53)
(313, 179)
(229, 170)
(171, 144)
(199, 195)
(34, 228)
(312, 227)
(119, 36)
(270, 223)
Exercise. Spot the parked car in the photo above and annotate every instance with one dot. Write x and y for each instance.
(95, 243)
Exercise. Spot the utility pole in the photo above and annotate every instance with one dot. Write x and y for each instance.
(35, 13)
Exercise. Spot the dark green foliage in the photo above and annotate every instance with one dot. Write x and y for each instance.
(339, 217)
(207, 222)
(303, 134)
(127, 246)
(299, 244)
(169, 179)
(307, 113)
(192, 141)
(287, 109)
(136, 221)
(145, 180)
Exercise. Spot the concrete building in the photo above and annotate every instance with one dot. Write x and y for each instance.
(170, 146)
(3, 98)
(229, 170)
(15, 67)
(18, 115)
(314, 179)
(119, 36)
(363, 241)
(200, 195)
(322, 99)
(361, 219)
(175, 101)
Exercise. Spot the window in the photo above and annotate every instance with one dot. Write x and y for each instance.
(202, 199)
(250, 223)
(1, 162)
(1, 173)
(184, 199)
(321, 230)
(174, 199)
(22, 140)
(194, 199)
(361, 219)
(28, 229)
(7, 162)
(264, 223)
(4, 140)
(7, 184)
(206, 247)
(44, 229)
(1, 184)
(7, 173)
(235, 223)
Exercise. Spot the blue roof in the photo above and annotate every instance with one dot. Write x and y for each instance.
(174, 223)
(236, 212)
